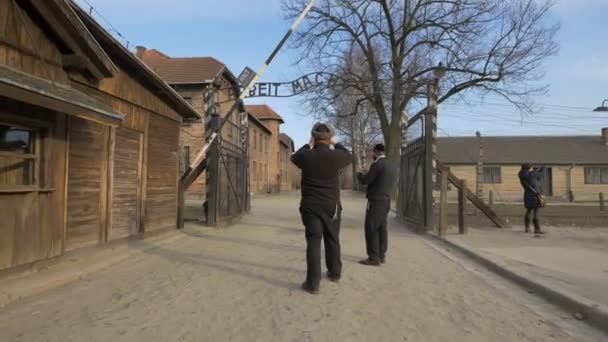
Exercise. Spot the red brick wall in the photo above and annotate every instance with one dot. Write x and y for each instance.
(192, 135)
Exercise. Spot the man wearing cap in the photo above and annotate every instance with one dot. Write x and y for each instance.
(321, 161)
(380, 181)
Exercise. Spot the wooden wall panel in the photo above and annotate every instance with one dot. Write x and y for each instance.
(86, 186)
(21, 45)
(31, 223)
(124, 86)
(126, 183)
(162, 173)
(582, 191)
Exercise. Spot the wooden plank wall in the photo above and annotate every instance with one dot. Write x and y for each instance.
(126, 183)
(162, 174)
(87, 182)
(31, 224)
(21, 44)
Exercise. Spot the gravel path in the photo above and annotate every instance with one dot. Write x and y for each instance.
(242, 284)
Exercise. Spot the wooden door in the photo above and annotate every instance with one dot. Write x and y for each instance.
(87, 179)
(126, 188)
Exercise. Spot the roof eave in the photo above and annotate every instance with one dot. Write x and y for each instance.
(182, 107)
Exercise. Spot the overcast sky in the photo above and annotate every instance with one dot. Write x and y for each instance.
(243, 32)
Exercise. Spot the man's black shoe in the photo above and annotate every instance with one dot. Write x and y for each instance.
(383, 260)
(333, 278)
(369, 262)
(308, 288)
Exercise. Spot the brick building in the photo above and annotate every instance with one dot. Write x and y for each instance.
(277, 161)
(196, 79)
(285, 165)
(576, 166)
(259, 142)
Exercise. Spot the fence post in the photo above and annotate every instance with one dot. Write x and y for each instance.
(462, 206)
(443, 206)
(491, 199)
(602, 202)
(430, 137)
(213, 174)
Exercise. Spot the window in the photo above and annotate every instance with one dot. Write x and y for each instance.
(491, 175)
(596, 175)
(17, 156)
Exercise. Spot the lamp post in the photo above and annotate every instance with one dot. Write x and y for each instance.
(603, 107)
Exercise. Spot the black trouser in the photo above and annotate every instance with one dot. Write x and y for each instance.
(532, 212)
(376, 235)
(535, 218)
(322, 223)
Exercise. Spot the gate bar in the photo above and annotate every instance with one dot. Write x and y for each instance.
(200, 157)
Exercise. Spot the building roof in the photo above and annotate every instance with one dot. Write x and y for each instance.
(263, 112)
(86, 53)
(259, 124)
(183, 70)
(119, 53)
(287, 141)
(524, 149)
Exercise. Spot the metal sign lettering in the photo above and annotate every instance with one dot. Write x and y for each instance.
(293, 88)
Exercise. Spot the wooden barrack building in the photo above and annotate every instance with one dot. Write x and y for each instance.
(89, 136)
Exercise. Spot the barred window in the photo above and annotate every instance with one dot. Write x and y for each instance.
(17, 156)
(492, 175)
(596, 175)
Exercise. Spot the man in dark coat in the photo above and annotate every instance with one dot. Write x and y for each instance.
(531, 182)
(380, 181)
(321, 161)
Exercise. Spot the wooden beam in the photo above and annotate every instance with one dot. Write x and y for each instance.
(110, 183)
(478, 202)
(65, 184)
(144, 177)
(443, 204)
(57, 105)
(462, 207)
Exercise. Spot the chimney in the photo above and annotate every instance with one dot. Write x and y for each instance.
(140, 51)
(605, 136)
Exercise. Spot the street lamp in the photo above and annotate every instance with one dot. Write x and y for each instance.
(602, 108)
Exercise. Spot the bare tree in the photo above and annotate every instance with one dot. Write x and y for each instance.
(354, 119)
(482, 46)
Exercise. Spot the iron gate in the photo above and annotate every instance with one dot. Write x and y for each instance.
(228, 181)
(412, 173)
(417, 176)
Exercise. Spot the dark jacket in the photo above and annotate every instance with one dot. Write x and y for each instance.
(320, 167)
(530, 181)
(380, 179)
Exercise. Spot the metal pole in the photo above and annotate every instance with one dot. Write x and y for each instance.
(214, 134)
(480, 173)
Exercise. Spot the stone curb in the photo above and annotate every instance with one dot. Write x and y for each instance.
(72, 267)
(593, 313)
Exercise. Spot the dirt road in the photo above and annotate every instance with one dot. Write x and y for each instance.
(242, 284)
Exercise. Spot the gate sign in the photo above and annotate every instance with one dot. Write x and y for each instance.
(293, 88)
(246, 76)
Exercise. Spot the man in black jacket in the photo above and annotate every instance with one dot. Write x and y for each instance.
(380, 181)
(321, 161)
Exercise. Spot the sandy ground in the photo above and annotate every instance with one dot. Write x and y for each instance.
(242, 284)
